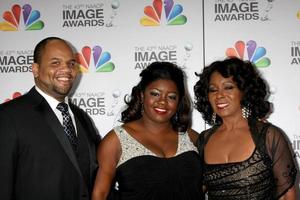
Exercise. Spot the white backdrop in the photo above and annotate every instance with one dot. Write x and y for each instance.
(116, 39)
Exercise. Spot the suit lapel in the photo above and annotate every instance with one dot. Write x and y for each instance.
(83, 129)
(45, 110)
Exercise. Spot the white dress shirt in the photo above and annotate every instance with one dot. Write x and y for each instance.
(53, 104)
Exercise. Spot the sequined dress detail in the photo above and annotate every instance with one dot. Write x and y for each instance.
(142, 175)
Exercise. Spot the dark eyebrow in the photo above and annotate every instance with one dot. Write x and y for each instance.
(174, 92)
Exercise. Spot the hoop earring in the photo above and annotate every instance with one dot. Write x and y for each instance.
(246, 112)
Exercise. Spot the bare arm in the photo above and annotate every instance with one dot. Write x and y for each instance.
(108, 155)
(193, 135)
(290, 194)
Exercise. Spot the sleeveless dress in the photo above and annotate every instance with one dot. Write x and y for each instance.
(142, 175)
(266, 175)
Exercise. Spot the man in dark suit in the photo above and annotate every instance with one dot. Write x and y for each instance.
(38, 159)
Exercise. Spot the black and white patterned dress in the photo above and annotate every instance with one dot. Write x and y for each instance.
(266, 175)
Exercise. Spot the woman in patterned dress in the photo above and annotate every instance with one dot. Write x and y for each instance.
(244, 157)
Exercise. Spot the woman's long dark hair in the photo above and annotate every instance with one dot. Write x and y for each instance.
(249, 81)
(160, 71)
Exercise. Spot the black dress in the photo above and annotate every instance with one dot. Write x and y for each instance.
(141, 175)
(266, 175)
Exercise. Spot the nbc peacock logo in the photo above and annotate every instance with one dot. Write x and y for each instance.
(255, 54)
(12, 18)
(173, 13)
(101, 59)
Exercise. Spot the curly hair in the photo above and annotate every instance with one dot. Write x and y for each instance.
(160, 71)
(249, 81)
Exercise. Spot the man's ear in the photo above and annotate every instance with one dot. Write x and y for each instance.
(35, 69)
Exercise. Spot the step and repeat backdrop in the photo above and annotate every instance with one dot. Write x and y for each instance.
(116, 39)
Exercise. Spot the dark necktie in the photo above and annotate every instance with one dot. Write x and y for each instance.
(68, 125)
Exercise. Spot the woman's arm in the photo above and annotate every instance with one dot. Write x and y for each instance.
(283, 163)
(108, 155)
(193, 135)
(290, 194)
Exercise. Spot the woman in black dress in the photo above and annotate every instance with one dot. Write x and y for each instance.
(244, 157)
(152, 156)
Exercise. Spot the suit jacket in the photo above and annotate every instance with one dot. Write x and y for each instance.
(36, 160)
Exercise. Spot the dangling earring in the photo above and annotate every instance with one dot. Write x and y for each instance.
(214, 118)
(176, 117)
(142, 108)
(246, 112)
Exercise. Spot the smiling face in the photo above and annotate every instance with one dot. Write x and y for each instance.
(57, 69)
(224, 96)
(160, 100)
